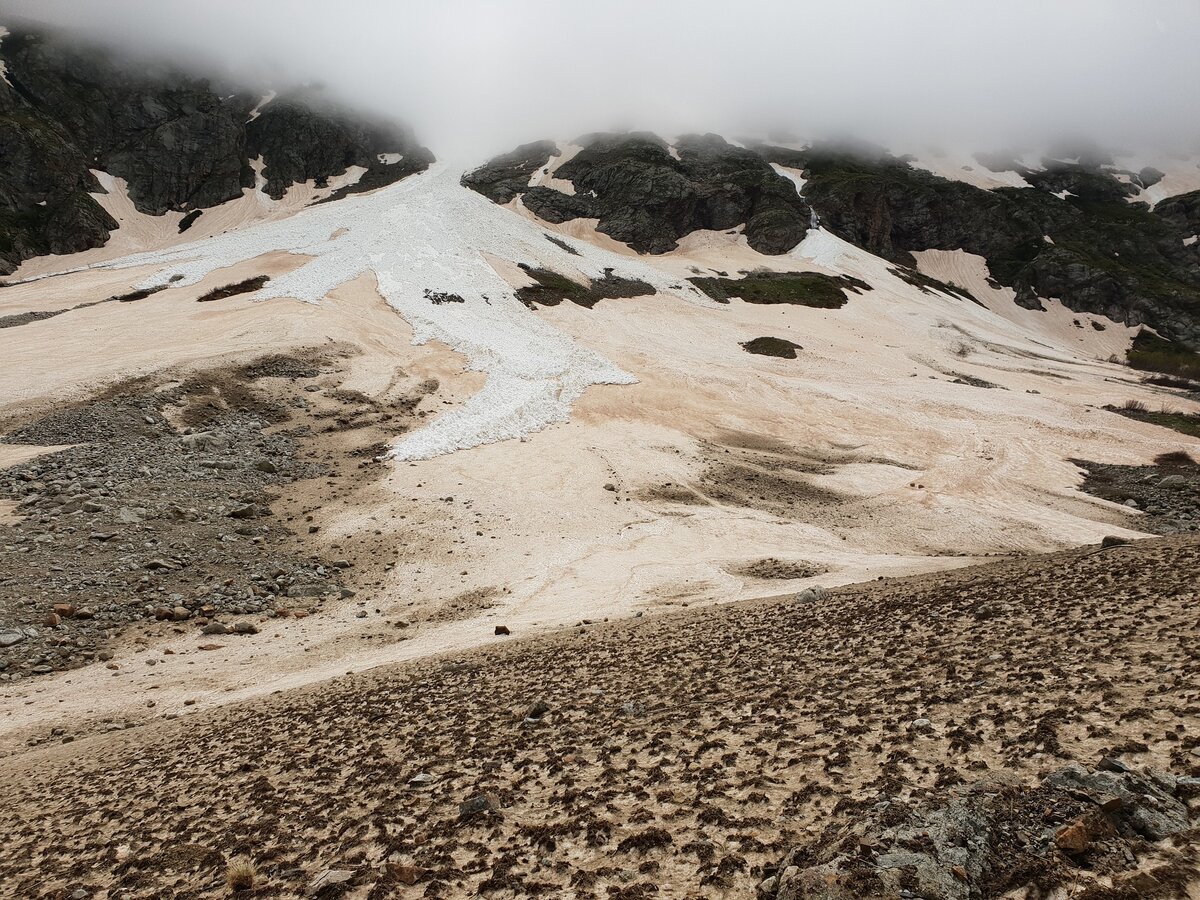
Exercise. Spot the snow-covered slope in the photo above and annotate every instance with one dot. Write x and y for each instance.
(915, 430)
(427, 239)
(427, 236)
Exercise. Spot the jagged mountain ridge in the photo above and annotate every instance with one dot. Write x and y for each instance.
(1072, 234)
(179, 142)
(648, 194)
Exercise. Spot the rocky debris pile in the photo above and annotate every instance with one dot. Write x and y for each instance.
(682, 754)
(1167, 493)
(649, 195)
(990, 837)
(139, 521)
(179, 142)
(1106, 255)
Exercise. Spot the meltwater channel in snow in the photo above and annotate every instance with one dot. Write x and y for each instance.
(428, 233)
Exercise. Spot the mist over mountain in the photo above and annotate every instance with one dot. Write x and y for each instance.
(476, 77)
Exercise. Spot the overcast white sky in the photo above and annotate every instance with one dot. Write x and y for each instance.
(477, 76)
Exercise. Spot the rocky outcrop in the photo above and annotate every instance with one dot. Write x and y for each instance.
(178, 141)
(989, 838)
(171, 137)
(648, 197)
(45, 205)
(507, 176)
(301, 138)
(1183, 212)
(1105, 254)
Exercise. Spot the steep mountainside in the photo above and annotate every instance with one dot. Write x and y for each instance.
(180, 143)
(649, 195)
(1073, 235)
(1072, 232)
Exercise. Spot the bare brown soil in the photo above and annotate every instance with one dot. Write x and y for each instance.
(674, 756)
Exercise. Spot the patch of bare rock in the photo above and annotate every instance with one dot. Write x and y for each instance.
(158, 515)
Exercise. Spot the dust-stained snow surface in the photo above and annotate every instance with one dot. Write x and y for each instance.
(424, 239)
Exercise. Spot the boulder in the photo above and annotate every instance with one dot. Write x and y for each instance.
(957, 844)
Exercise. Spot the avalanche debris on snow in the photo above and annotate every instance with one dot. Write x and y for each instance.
(423, 234)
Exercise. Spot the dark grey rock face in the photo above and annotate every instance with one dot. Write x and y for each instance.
(646, 197)
(1183, 212)
(1109, 256)
(507, 176)
(44, 182)
(171, 137)
(300, 138)
(179, 142)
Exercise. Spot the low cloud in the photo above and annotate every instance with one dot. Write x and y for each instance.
(474, 77)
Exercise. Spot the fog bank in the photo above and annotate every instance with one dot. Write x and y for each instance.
(474, 77)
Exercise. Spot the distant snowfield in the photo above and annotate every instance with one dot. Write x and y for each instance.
(427, 238)
(964, 168)
(427, 235)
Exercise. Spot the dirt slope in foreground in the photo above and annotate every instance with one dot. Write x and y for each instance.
(677, 756)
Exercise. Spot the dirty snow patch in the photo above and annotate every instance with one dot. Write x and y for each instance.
(262, 101)
(428, 233)
(793, 175)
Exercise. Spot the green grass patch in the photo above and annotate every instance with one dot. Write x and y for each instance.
(1151, 353)
(794, 288)
(552, 288)
(1181, 422)
(1184, 423)
(772, 346)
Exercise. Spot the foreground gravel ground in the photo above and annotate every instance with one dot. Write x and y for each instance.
(676, 756)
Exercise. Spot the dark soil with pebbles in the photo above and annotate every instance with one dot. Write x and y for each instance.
(1167, 493)
(159, 514)
(686, 755)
